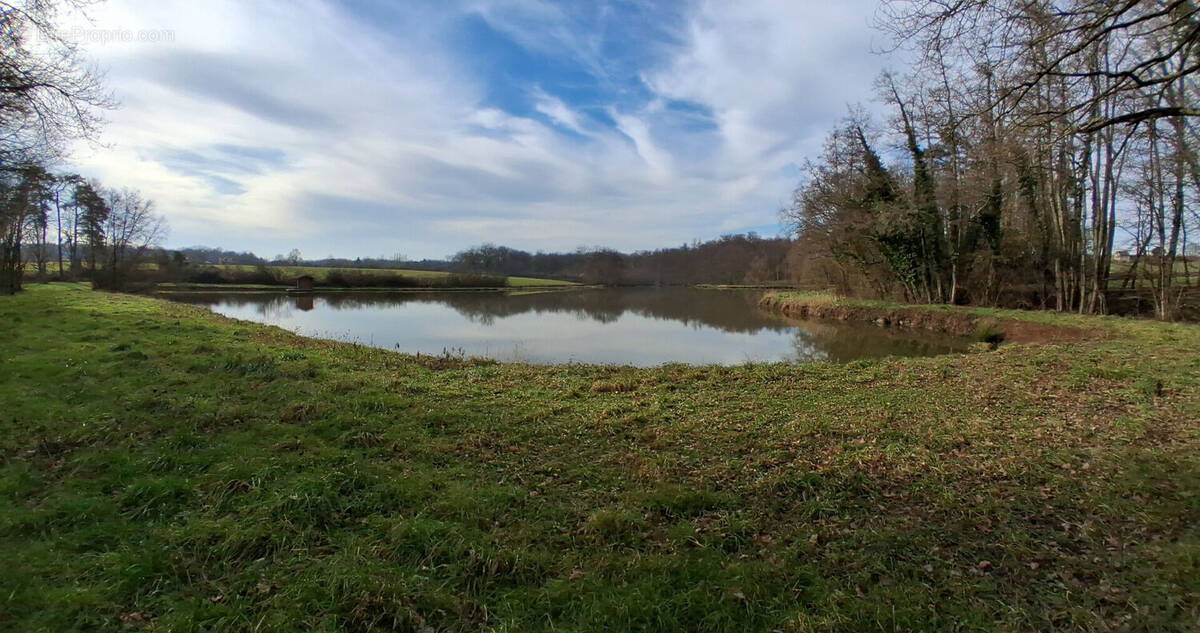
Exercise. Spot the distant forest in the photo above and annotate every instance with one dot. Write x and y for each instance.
(730, 259)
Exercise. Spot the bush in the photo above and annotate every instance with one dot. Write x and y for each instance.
(210, 275)
(340, 279)
(988, 331)
(358, 279)
(205, 276)
(125, 280)
(469, 280)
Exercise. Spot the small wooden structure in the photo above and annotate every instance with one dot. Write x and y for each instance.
(304, 283)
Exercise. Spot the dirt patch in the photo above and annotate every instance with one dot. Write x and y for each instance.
(947, 322)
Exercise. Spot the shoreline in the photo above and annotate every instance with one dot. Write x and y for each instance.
(985, 324)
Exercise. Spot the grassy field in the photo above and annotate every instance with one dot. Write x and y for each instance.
(168, 469)
(1183, 273)
(319, 274)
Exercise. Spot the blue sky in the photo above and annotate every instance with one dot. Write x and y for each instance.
(423, 127)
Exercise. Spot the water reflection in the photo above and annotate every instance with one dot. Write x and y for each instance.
(641, 326)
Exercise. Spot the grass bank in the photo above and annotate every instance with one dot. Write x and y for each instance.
(986, 324)
(168, 469)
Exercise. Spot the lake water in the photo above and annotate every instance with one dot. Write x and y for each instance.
(637, 326)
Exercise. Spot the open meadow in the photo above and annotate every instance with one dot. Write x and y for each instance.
(168, 469)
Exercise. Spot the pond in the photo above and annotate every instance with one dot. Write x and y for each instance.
(633, 326)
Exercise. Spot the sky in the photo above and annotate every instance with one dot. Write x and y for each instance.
(422, 127)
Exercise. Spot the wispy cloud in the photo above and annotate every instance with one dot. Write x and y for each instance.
(367, 128)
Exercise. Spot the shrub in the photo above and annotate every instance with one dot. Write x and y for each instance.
(359, 279)
(988, 331)
(263, 275)
(470, 280)
(205, 276)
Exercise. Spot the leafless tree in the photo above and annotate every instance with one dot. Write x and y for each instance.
(1096, 53)
(48, 93)
(1021, 123)
(131, 230)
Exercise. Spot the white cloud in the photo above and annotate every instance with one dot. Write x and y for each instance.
(559, 112)
(389, 143)
(773, 71)
(657, 160)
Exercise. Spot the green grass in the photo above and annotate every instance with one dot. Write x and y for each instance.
(167, 469)
(1182, 273)
(320, 273)
(52, 268)
(1141, 329)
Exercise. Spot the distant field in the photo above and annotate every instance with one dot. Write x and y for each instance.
(52, 267)
(321, 273)
(1181, 267)
(1184, 272)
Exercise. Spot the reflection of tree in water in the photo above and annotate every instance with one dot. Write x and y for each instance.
(276, 311)
(726, 310)
(841, 342)
(272, 306)
(266, 304)
(731, 311)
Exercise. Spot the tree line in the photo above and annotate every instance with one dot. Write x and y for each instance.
(48, 98)
(729, 259)
(1024, 139)
(63, 226)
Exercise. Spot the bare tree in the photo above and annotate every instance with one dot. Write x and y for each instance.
(62, 186)
(1090, 51)
(48, 94)
(131, 230)
(1019, 120)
